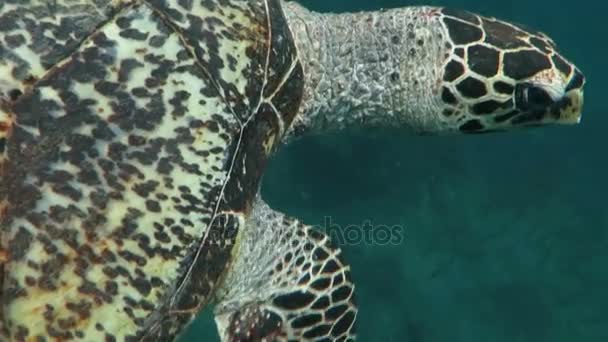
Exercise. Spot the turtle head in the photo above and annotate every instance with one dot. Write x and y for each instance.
(499, 76)
(431, 70)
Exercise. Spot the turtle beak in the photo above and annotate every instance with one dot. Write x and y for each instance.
(568, 110)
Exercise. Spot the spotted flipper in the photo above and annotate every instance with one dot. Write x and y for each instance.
(288, 282)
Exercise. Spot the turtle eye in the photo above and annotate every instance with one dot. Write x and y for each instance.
(530, 97)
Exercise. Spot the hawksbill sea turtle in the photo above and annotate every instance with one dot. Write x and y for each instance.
(134, 135)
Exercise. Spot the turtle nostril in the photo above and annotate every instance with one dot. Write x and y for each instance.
(577, 81)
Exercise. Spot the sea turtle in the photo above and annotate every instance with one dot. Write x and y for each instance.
(134, 134)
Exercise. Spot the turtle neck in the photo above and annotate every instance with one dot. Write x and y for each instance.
(372, 69)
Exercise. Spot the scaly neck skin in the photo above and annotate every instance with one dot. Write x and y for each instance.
(375, 69)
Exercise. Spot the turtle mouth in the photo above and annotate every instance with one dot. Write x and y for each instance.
(568, 110)
(539, 104)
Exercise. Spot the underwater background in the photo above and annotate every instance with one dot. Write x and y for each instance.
(505, 237)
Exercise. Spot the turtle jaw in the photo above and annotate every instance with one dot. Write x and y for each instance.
(537, 104)
(572, 110)
(569, 110)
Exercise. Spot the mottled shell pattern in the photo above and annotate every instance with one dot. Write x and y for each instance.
(133, 136)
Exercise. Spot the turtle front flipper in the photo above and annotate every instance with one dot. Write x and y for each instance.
(287, 282)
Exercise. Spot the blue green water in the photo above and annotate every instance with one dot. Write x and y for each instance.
(505, 236)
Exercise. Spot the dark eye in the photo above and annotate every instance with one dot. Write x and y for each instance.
(529, 96)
